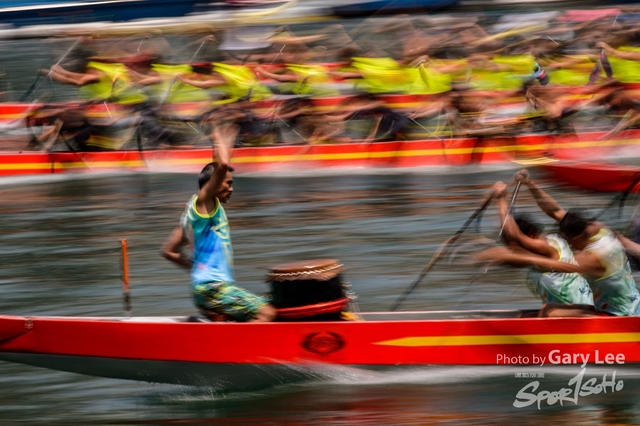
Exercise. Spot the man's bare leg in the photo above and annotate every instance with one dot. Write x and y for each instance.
(557, 310)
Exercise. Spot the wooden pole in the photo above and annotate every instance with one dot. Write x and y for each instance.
(125, 279)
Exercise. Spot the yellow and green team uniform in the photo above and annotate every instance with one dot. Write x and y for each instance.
(114, 86)
(311, 80)
(173, 90)
(520, 66)
(575, 75)
(625, 70)
(241, 82)
(385, 75)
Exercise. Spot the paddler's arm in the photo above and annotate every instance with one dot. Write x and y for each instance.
(202, 84)
(171, 248)
(145, 79)
(512, 232)
(631, 56)
(544, 200)
(148, 81)
(63, 76)
(283, 78)
(224, 135)
(590, 265)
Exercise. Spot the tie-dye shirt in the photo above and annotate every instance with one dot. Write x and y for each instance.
(560, 287)
(211, 238)
(615, 292)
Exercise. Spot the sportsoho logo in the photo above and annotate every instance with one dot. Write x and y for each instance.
(578, 386)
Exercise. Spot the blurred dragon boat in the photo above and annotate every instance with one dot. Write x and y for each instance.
(431, 150)
(181, 350)
(595, 176)
(318, 324)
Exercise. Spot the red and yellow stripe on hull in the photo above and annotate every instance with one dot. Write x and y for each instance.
(454, 152)
(470, 341)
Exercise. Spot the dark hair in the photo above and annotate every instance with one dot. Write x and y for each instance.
(528, 225)
(207, 172)
(574, 223)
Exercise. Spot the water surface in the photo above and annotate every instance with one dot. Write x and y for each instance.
(60, 255)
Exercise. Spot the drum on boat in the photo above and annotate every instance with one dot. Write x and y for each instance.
(309, 290)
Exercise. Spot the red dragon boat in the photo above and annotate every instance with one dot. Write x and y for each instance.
(413, 153)
(185, 351)
(601, 176)
(434, 151)
(318, 325)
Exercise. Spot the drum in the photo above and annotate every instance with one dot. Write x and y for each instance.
(308, 289)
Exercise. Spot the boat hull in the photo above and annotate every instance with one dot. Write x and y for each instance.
(176, 350)
(295, 158)
(601, 177)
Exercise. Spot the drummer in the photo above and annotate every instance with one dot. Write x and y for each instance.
(205, 228)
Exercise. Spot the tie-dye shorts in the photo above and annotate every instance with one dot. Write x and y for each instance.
(229, 300)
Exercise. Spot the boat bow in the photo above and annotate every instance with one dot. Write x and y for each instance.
(12, 327)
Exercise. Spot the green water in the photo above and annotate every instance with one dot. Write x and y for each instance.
(60, 256)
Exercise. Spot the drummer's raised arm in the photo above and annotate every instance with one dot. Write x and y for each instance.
(224, 136)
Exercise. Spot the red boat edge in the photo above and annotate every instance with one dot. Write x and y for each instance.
(180, 350)
(592, 176)
(396, 154)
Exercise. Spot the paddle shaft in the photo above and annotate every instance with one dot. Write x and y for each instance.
(37, 80)
(620, 198)
(125, 279)
(442, 249)
(63, 57)
(513, 200)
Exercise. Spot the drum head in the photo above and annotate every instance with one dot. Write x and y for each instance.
(316, 269)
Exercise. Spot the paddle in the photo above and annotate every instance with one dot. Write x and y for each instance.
(36, 81)
(441, 250)
(125, 279)
(620, 198)
(510, 211)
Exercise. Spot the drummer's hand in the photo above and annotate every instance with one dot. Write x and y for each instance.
(499, 189)
(523, 176)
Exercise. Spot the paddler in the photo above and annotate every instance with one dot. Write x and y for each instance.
(302, 79)
(601, 259)
(524, 236)
(205, 228)
(237, 81)
(625, 62)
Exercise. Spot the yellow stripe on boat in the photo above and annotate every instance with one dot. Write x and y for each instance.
(73, 165)
(522, 339)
